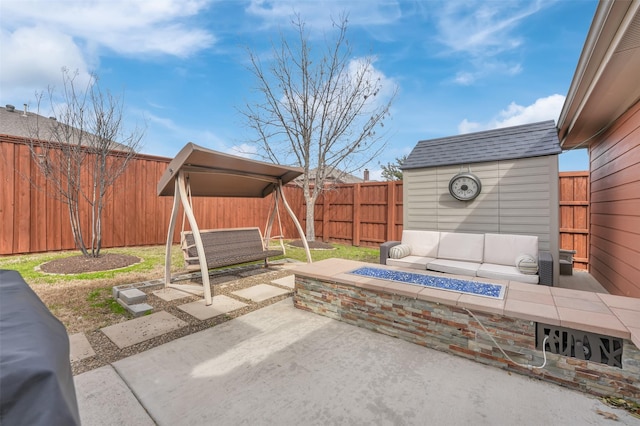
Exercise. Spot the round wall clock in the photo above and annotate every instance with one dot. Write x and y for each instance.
(465, 186)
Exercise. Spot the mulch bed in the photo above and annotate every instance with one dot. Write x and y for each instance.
(82, 264)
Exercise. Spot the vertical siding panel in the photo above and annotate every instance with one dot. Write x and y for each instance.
(615, 198)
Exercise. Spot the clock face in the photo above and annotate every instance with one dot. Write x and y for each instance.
(465, 186)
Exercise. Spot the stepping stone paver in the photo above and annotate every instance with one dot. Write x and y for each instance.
(132, 296)
(79, 347)
(221, 305)
(169, 294)
(144, 328)
(260, 292)
(289, 281)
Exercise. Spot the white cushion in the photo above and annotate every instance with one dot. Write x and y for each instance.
(399, 251)
(527, 264)
(503, 249)
(423, 243)
(413, 262)
(454, 267)
(503, 272)
(460, 246)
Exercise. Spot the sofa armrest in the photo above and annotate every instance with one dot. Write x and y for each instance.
(545, 268)
(384, 250)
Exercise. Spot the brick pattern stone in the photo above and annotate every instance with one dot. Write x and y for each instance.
(453, 330)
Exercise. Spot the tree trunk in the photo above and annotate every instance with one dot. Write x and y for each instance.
(311, 228)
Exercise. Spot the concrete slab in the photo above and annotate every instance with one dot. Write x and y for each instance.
(132, 296)
(221, 305)
(289, 281)
(138, 330)
(169, 294)
(104, 399)
(281, 365)
(260, 292)
(136, 310)
(79, 347)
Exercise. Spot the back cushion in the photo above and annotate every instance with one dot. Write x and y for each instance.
(460, 246)
(504, 249)
(423, 243)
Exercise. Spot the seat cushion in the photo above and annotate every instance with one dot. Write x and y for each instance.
(423, 243)
(454, 267)
(460, 246)
(411, 261)
(504, 272)
(504, 249)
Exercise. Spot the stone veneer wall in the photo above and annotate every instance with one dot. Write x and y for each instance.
(451, 329)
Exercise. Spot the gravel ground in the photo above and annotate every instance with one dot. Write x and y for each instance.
(107, 352)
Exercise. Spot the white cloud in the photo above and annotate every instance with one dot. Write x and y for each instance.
(542, 109)
(39, 37)
(319, 15)
(485, 32)
(244, 150)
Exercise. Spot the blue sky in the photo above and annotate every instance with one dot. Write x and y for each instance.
(459, 66)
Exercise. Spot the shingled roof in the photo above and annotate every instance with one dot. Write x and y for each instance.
(509, 143)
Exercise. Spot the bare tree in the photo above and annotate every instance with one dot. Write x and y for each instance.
(319, 112)
(81, 151)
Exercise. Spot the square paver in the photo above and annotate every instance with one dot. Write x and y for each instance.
(144, 328)
(221, 305)
(79, 347)
(260, 292)
(169, 294)
(289, 281)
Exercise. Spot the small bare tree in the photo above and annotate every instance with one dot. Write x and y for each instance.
(319, 112)
(81, 151)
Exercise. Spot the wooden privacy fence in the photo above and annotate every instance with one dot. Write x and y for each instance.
(574, 216)
(364, 214)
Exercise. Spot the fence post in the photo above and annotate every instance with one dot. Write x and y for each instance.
(391, 211)
(326, 220)
(356, 214)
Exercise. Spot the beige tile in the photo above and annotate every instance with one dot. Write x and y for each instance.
(439, 296)
(630, 303)
(529, 288)
(169, 294)
(574, 294)
(482, 304)
(372, 284)
(327, 268)
(582, 305)
(288, 281)
(529, 296)
(532, 311)
(595, 322)
(635, 336)
(631, 319)
(402, 289)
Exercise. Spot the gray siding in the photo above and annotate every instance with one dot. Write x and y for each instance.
(518, 197)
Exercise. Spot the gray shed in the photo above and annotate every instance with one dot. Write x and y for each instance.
(496, 181)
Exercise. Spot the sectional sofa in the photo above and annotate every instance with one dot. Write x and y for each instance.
(498, 256)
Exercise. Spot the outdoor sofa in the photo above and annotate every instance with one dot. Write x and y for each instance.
(497, 256)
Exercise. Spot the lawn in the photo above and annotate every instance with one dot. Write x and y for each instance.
(83, 302)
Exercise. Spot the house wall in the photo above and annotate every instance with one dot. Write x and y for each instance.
(517, 197)
(615, 206)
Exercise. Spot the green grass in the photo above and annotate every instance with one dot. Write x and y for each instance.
(27, 265)
(363, 254)
(102, 298)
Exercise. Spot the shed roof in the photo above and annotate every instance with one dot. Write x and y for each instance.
(509, 143)
(215, 174)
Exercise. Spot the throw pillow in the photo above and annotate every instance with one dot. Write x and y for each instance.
(400, 251)
(527, 264)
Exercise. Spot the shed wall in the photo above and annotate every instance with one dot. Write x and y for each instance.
(517, 197)
(615, 206)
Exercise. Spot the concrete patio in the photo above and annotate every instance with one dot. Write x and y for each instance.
(286, 366)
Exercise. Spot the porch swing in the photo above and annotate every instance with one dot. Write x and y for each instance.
(197, 171)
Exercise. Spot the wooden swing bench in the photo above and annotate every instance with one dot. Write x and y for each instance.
(226, 247)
